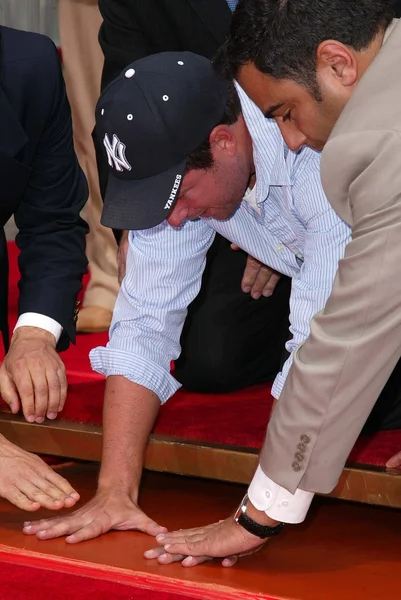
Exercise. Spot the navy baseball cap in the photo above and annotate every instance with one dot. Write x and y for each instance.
(149, 120)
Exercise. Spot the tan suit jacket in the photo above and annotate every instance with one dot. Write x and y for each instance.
(355, 342)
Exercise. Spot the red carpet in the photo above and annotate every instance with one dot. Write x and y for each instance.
(37, 576)
(35, 583)
(207, 417)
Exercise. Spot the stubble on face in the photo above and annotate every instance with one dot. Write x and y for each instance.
(293, 106)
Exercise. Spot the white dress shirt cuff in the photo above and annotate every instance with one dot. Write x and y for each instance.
(278, 503)
(31, 319)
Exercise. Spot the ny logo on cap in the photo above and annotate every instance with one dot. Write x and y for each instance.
(116, 153)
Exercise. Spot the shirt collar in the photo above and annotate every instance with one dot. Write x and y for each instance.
(268, 148)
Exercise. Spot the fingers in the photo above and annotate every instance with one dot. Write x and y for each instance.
(271, 284)
(258, 279)
(33, 527)
(77, 528)
(22, 382)
(230, 561)
(166, 559)
(62, 376)
(154, 552)
(43, 493)
(188, 548)
(395, 461)
(33, 375)
(40, 394)
(18, 498)
(251, 271)
(8, 391)
(63, 485)
(192, 561)
(41, 484)
(87, 532)
(152, 528)
(42, 388)
(25, 476)
(261, 284)
(52, 400)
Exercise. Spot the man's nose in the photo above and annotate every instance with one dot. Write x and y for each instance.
(293, 137)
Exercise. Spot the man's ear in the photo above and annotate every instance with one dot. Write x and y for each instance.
(222, 139)
(335, 60)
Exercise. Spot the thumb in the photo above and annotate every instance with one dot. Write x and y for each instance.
(154, 529)
(9, 392)
(234, 247)
(395, 461)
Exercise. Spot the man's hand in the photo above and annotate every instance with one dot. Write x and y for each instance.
(258, 279)
(191, 547)
(33, 375)
(225, 539)
(29, 483)
(395, 461)
(109, 509)
(122, 256)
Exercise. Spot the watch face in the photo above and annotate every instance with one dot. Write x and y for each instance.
(241, 509)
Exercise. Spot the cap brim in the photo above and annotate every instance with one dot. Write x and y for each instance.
(142, 203)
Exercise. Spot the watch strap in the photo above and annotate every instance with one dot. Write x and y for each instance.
(262, 531)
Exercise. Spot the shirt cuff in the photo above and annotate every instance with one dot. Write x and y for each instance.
(138, 369)
(277, 502)
(31, 319)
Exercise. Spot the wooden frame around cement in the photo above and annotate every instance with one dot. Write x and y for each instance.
(78, 441)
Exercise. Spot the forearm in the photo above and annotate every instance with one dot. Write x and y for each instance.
(129, 414)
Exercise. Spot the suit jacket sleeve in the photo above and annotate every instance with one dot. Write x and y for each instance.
(355, 342)
(51, 234)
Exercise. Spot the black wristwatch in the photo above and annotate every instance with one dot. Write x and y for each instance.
(262, 531)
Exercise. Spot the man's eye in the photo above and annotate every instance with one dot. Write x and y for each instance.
(287, 116)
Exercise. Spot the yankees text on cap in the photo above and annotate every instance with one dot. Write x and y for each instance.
(149, 120)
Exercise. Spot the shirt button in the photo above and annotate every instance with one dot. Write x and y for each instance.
(285, 503)
(268, 494)
(305, 439)
(279, 248)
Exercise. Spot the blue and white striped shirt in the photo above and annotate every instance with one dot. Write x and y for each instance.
(293, 229)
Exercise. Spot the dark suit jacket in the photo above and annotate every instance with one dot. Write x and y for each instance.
(40, 181)
(133, 29)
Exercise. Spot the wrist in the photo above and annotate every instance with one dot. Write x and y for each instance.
(25, 332)
(256, 522)
(111, 485)
(259, 516)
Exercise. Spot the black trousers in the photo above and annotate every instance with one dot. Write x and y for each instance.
(386, 414)
(231, 341)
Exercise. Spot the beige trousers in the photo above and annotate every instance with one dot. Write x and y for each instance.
(82, 63)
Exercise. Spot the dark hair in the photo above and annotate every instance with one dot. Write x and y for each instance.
(202, 157)
(281, 37)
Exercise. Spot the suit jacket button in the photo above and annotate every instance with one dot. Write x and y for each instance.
(305, 439)
(301, 447)
(299, 456)
(296, 466)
